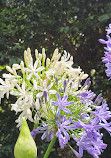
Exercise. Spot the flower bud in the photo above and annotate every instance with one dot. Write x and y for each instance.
(9, 69)
(25, 146)
(43, 54)
(36, 53)
(55, 54)
(22, 67)
(29, 55)
(47, 62)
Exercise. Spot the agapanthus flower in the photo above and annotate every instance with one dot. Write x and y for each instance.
(102, 112)
(62, 133)
(107, 57)
(45, 88)
(87, 97)
(62, 103)
(48, 135)
(50, 94)
(91, 138)
(93, 145)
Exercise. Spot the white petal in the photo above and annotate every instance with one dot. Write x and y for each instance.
(45, 84)
(15, 93)
(23, 86)
(39, 95)
(50, 85)
(29, 76)
(52, 91)
(19, 88)
(36, 74)
(2, 82)
(40, 88)
(39, 69)
(9, 76)
(35, 64)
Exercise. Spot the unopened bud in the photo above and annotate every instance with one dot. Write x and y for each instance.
(36, 53)
(22, 67)
(29, 55)
(47, 62)
(25, 146)
(9, 69)
(55, 54)
(43, 54)
(40, 56)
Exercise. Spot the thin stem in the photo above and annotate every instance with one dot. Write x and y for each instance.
(50, 147)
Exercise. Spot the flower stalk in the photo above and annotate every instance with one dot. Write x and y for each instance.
(50, 147)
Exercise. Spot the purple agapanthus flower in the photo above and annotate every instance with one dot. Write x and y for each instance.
(107, 58)
(61, 104)
(102, 112)
(87, 97)
(90, 139)
(62, 133)
(91, 145)
(48, 135)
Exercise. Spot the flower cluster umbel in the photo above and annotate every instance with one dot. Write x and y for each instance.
(50, 94)
(107, 54)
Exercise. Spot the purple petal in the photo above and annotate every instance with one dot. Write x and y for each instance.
(44, 135)
(102, 41)
(54, 103)
(66, 110)
(58, 112)
(83, 94)
(68, 103)
(66, 134)
(58, 97)
(71, 127)
(34, 132)
(64, 99)
(76, 153)
(58, 132)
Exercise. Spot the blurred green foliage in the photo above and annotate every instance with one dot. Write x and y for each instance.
(73, 25)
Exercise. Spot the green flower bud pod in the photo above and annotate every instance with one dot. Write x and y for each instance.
(25, 146)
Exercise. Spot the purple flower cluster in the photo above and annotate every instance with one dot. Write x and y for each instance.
(63, 124)
(62, 133)
(88, 125)
(91, 138)
(107, 54)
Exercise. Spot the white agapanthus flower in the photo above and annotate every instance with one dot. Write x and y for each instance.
(39, 81)
(5, 87)
(21, 92)
(33, 70)
(45, 87)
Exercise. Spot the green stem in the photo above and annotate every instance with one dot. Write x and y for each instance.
(50, 147)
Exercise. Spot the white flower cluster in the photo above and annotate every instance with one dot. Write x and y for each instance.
(36, 83)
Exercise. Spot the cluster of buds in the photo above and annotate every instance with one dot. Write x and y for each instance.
(52, 94)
